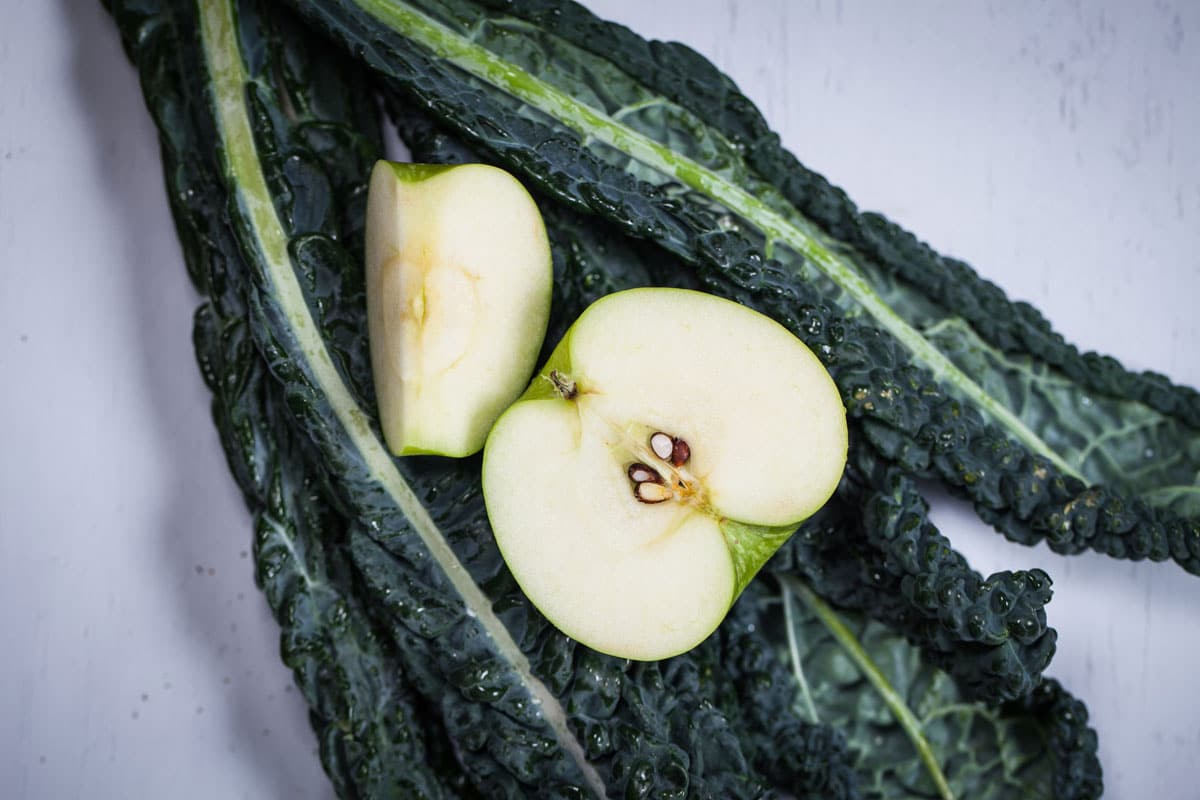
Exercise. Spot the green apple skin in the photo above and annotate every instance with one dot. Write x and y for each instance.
(459, 277)
(767, 434)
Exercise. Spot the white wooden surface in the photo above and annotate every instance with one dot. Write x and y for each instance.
(1054, 146)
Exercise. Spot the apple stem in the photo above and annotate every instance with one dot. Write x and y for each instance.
(563, 384)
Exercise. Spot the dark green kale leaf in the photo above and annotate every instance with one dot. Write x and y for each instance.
(691, 82)
(1041, 456)
(373, 739)
(913, 732)
(455, 661)
(739, 668)
(373, 736)
(873, 548)
(524, 710)
(267, 183)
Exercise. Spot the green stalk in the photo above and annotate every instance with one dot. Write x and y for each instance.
(487, 66)
(907, 719)
(789, 619)
(229, 79)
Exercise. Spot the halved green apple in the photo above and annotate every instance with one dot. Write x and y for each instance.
(668, 447)
(458, 297)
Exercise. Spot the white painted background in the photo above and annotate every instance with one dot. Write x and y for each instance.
(1056, 146)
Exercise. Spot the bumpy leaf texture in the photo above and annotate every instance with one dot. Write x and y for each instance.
(524, 710)
(1004, 413)
(865, 679)
(874, 548)
(427, 672)
(691, 82)
(373, 740)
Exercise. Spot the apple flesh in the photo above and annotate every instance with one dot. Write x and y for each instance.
(668, 447)
(459, 275)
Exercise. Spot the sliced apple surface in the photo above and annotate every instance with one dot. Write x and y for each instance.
(668, 447)
(459, 275)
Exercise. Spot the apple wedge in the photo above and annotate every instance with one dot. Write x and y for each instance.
(458, 272)
(668, 447)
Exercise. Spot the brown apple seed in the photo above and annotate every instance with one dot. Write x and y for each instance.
(680, 453)
(640, 473)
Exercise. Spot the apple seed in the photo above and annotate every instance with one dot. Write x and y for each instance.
(640, 473)
(670, 448)
(650, 492)
(680, 453)
(662, 444)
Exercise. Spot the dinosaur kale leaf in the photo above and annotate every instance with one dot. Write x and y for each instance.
(1025, 430)
(873, 548)
(427, 672)
(488, 686)
(912, 731)
(373, 738)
